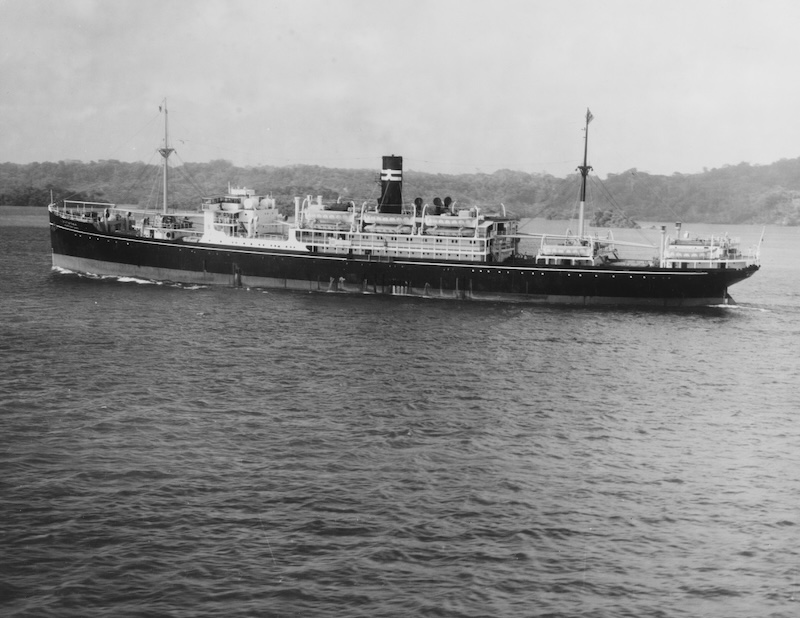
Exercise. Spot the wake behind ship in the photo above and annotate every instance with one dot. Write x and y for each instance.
(388, 246)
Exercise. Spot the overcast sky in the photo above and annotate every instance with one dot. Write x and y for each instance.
(454, 86)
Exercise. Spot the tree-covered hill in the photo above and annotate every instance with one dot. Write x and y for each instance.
(732, 194)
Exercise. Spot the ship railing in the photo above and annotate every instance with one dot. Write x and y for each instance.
(412, 246)
(700, 253)
(728, 259)
(80, 209)
(721, 247)
(563, 250)
(398, 245)
(711, 241)
(271, 230)
(179, 225)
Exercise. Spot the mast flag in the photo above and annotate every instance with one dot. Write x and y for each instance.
(589, 116)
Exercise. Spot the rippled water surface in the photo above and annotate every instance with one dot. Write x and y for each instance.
(174, 451)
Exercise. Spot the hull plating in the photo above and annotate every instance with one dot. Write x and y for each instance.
(88, 251)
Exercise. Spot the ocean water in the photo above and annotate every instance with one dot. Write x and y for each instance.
(188, 451)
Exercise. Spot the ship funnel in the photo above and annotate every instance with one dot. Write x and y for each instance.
(391, 199)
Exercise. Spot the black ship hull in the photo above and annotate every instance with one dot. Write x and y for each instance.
(80, 247)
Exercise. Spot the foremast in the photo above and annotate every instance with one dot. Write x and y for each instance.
(584, 170)
(165, 152)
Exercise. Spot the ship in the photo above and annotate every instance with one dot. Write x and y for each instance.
(390, 245)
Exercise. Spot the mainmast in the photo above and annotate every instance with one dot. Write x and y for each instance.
(584, 169)
(165, 152)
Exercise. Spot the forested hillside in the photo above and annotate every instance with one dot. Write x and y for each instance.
(732, 194)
